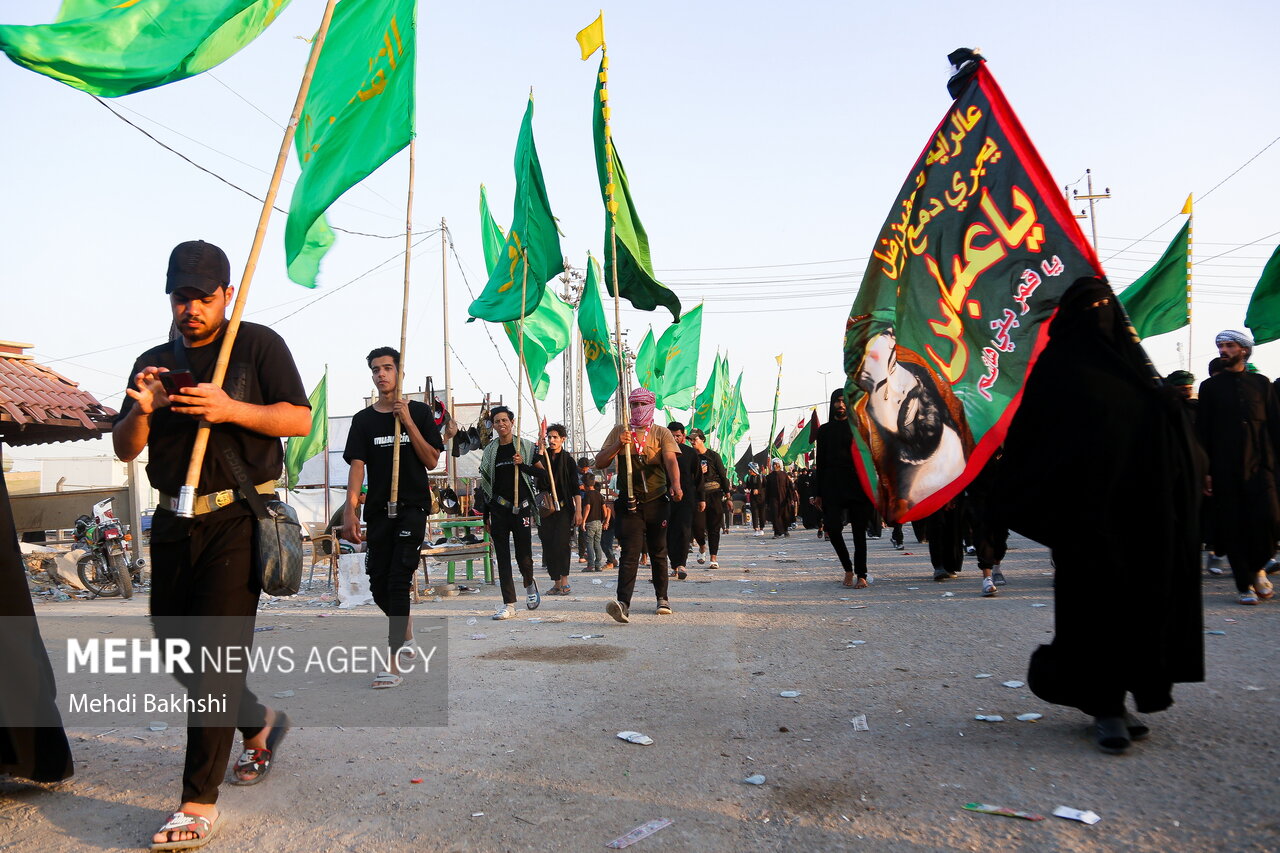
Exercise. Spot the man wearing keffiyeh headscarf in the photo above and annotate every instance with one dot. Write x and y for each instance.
(648, 479)
(1239, 426)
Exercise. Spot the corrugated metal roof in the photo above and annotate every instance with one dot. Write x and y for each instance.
(38, 405)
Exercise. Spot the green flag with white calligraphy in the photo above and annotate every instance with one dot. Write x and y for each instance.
(956, 300)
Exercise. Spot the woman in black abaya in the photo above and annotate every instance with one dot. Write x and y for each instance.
(1100, 464)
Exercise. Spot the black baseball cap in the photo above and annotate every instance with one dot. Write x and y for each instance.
(199, 265)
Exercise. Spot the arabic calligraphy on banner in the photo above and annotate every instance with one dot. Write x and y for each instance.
(967, 270)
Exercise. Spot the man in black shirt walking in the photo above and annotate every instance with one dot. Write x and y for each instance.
(840, 497)
(394, 543)
(203, 566)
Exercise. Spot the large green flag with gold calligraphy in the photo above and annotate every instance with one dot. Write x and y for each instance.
(597, 346)
(547, 330)
(359, 112)
(531, 254)
(111, 48)
(954, 306)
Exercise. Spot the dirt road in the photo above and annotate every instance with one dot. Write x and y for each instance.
(530, 759)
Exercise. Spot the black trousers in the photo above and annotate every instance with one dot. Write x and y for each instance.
(680, 531)
(504, 527)
(555, 531)
(757, 514)
(706, 524)
(204, 568)
(946, 539)
(838, 511)
(391, 557)
(895, 535)
(646, 527)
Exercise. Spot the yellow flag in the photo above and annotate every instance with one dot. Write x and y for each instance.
(778, 358)
(591, 38)
(1186, 208)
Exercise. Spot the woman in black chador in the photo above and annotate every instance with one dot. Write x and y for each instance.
(1100, 465)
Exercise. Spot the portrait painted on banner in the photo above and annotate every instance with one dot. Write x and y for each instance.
(913, 423)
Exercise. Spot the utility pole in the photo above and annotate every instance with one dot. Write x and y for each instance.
(572, 294)
(1090, 197)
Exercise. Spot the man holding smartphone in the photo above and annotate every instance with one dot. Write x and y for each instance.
(204, 585)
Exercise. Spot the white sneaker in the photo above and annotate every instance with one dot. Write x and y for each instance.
(702, 556)
(531, 597)
(506, 611)
(988, 587)
(1214, 565)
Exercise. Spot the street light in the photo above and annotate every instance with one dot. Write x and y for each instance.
(824, 373)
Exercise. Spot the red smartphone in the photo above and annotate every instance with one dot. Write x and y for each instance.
(175, 380)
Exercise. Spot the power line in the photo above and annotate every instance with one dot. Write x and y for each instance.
(234, 186)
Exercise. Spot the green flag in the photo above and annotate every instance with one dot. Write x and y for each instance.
(634, 269)
(359, 112)
(491, 236)
(112, 48)
(1160, 301)
(601, 362)
(741, 420)
(645, 357)
(803, 441)
(301, 448)
(1263, 316)
(734, 422)
(547, 332)
(532, 242)
(678, 350)
(707, 407)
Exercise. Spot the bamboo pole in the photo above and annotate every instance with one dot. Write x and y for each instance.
(1190, 228)
(392, 505)
(524, 290)
(187, 495)
(624, 377)
(451, 466)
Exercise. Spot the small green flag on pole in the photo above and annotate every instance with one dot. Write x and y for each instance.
(491, 235)
(1159, 301)
(1263, 316)
(301, 448)
(637, 282)
(116, 47)
(532, 241)
(803, 441)
(645, 358)
(741, 420)
(547, 330)
(359, 113)
(707, 406)
(601, 363)
(678, 350)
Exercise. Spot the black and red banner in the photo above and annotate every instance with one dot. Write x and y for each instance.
(954, 306)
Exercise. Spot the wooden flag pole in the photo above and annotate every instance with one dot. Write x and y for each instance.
(524, 290)
(451, 466)
(392, 505)
(187, 495)
(624, 375)
(1190, 228)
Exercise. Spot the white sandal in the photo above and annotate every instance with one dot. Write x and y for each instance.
(386, 680)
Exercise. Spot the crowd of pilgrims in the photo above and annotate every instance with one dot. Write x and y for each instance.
(1127, 479)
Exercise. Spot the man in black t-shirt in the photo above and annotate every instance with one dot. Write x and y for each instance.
(394, 543)
(203, 566)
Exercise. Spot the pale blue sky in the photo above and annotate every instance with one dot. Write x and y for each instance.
(765, 144)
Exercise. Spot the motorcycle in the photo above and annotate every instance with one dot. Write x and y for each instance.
(108, 567)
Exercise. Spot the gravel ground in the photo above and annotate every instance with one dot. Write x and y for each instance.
(530, 759)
